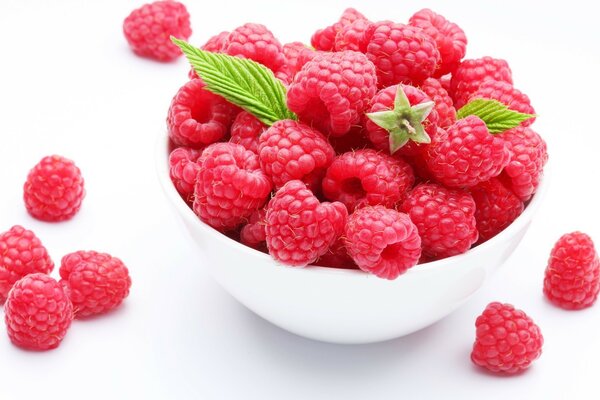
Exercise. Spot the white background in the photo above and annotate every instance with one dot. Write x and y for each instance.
(69, 85)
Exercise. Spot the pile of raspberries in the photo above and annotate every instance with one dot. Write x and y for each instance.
(336, 189)
(38, 309)
(377, 173)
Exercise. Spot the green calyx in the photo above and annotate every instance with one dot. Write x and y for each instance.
(403, 122)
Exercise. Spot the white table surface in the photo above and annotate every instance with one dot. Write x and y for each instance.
(69, 85)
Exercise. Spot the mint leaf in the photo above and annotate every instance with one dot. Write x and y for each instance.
(497, 116)
(243, 82)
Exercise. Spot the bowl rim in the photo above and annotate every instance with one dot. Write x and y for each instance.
(162, 169)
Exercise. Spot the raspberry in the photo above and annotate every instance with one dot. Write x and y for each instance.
(354, 36)
(95, 282)
(54, 189)
(382, 241)
(253, 233)
(245, 130)
(21, 253)
(148, 29)
(505, 93)
(292, 150)
(296, 55)
(216, 43)
(443, 102)
(445, 219)
(37, 313)
(299, 228)
(528, 157)
(256, 42)
(324, 39)
(198, 117)
(402, 54)
(496, 208)
(468, 154)
(450, 38)
(333, 90)
(407, 128)
(507, 340)
(183, 169)
(337, 257)
(367, 177)
(470, 74)
(230, 186)
(572, 278)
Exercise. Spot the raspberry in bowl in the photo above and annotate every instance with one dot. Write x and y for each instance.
(342, 305)
(364, 206)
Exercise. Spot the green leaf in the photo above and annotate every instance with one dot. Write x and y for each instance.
(241, 81)
(497, 116)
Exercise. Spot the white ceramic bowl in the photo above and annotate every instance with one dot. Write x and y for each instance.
(343, 306)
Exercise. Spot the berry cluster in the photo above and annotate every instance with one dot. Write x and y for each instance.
(372, 163)
(38, 308)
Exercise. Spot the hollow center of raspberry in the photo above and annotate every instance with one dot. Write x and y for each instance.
(318, 113)
(201, 113)
(391, 251)
(353, 186)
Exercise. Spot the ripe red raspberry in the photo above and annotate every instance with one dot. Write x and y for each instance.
(405, 127)
(21, 253)
(572, 278)
(253, 233)
(230, 186)
(54, 189)
(296, 55)
(402, 54)
(496, 208)
(148, 29)
(256, 42)
(337, 257)
(183, 169)
(198, 117)
(95, 282)
(354, 36)
(468, 154)
(382, 241)
(470, 74)
(528, 157)
(292, 150)
(507, 340)
(37, 313)
(299, 228)
(443, 102)
(216, 43)
(505, 93)
(324, 39)
(245, 130)
(445, 219)
(367, 177)
(449, 38)
(332, 91)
